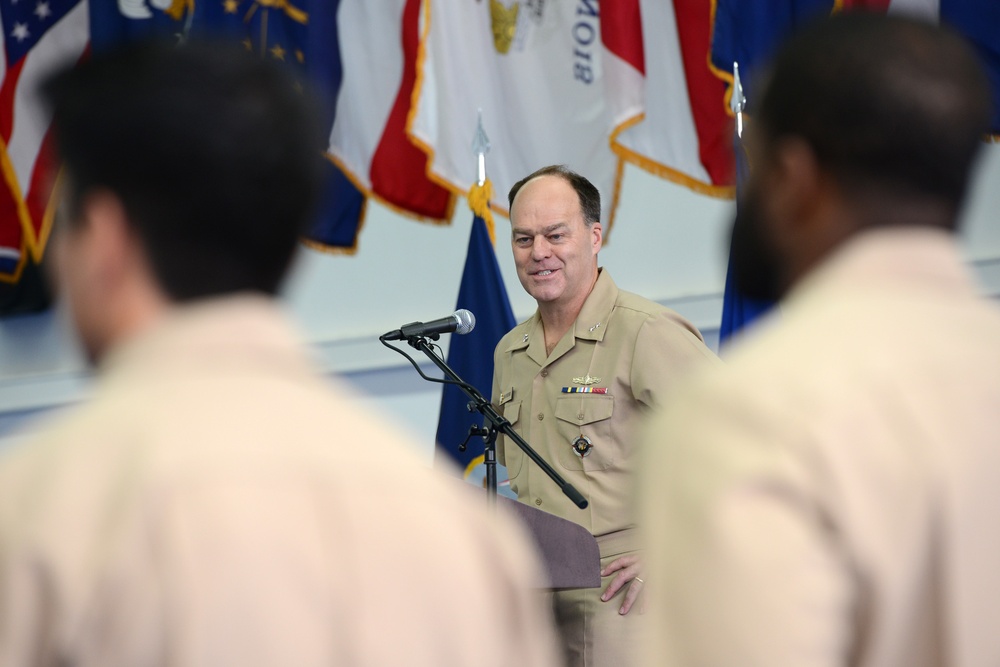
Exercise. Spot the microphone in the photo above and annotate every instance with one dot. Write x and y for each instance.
(460, 322)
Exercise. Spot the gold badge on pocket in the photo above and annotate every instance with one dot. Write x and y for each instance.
(582, 446)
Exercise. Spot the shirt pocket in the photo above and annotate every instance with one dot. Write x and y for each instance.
(588, 416)
(513, 456)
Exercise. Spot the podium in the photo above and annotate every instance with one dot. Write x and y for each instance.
(570, 553)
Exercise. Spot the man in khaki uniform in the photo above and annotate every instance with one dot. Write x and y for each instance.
(575, 381)
(218, 502)
(829, 498)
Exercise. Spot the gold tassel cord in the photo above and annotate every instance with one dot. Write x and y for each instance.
(479, 202)
(293, 12)
(178, 8)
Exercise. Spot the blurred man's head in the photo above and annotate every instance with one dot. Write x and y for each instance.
(865, 121)
(193, 169)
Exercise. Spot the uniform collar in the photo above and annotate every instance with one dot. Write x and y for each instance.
(237, 330)
(590, 324)
(592, 321)
(892, 260)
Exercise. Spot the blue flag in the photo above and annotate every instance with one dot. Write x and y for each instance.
(979, 22)
(471, 356)
(738, 310)
(302, 34)
(112, 23)
(748, 33)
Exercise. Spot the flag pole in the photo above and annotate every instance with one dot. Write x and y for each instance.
(480, 147)
(482, 191)
(738, 101)
(737, 310)
(479, 201)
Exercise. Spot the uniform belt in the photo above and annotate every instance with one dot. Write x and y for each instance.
(618, 542)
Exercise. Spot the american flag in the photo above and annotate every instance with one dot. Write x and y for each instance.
(38, 36)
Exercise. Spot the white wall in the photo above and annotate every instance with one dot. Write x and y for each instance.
(666, 243)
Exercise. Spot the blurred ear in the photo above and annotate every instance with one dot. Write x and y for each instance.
(810, 214)
(109, 241)
(797, 188)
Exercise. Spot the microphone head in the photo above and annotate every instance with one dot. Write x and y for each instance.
(466, 321)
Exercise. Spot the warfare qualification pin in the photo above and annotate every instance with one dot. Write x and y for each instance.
(582, 446)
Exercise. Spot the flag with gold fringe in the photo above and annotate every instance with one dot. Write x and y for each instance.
(301, 33)
(542, 64)
(378, 45)
(36, 37)
(670, 118)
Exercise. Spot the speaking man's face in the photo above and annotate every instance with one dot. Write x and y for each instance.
(555, 251)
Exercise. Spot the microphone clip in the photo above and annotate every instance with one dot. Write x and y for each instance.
(412, 332)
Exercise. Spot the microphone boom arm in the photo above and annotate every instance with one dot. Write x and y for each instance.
(498, 423)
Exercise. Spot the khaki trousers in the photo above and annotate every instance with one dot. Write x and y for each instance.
(593, 633)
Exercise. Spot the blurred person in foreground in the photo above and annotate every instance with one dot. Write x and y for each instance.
(829, 496)
(576, 380)
(217, 501)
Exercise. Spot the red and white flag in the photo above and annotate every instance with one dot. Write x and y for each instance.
(37, 38)
(534, 68)
(672, 121)
(378, 50)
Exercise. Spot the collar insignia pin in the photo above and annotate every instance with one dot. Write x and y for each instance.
(596, 326)
(525, 338)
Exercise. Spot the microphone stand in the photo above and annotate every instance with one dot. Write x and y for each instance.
(497, 424)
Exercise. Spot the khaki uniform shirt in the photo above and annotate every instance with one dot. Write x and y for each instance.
(621, 358)
(219, 503)
(830, 496)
